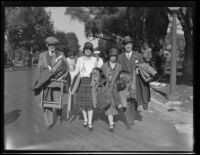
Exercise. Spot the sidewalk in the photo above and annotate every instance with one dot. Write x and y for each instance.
(176, 114)
(181, 114)
(183, 96)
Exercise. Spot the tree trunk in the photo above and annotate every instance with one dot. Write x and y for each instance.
(188, 58)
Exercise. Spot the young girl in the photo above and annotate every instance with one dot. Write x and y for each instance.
(111, 70)
(84, 66)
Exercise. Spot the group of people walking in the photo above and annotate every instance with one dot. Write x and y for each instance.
(123, 79)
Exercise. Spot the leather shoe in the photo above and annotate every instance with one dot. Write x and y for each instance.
(111, 128)
(128, 127)
(85, 124)
(90, 127)
(49, 127)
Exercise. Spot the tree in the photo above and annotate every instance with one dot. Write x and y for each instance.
(143, 24)
(185, 15)
(28, 27)
(67, 42)
(11, 30)
(113, 23)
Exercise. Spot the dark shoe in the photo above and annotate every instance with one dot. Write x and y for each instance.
(90, 127)
(85, 124)
(128, 127)
(48, 127)
(132, 124)
(111, 128)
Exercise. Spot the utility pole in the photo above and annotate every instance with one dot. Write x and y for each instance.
(173, 55)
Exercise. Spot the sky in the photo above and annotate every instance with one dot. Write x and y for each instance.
(64, 23)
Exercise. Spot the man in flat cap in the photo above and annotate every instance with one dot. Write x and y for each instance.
(48, 60)
(128, 60)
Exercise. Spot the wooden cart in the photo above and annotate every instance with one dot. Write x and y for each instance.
(50, 106)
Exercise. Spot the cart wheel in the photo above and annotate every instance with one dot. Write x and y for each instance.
(49, 116)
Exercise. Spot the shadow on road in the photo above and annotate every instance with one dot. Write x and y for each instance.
(98, 114)
(12, 116)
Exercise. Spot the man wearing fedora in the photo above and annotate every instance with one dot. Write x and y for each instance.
(128, 60)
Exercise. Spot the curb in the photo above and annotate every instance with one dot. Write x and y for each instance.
(184, 117)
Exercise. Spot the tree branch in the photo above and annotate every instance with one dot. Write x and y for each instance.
(95, 36)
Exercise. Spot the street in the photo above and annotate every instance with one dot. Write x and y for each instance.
(25, 130)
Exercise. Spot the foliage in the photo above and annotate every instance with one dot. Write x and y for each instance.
(117, 22)
(113, 23)
(186, 16)
(180, 41)
(67, 42)
(27, 26)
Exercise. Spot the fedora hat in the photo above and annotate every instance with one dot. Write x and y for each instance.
(127, 39)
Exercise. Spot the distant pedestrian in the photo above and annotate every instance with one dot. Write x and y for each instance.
(71, 59)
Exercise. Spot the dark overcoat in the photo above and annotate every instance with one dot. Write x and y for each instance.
(42, 73)
(129, 65)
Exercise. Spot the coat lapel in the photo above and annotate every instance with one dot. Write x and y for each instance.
(127, 62)
(48, 59)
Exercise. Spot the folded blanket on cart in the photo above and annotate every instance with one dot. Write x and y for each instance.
(58, 70)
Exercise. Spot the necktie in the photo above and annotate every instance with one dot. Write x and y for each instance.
(128, 56)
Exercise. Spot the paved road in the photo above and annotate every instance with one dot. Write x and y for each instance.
(24, 126)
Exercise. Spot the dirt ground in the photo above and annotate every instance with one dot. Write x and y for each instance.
(183, 94)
